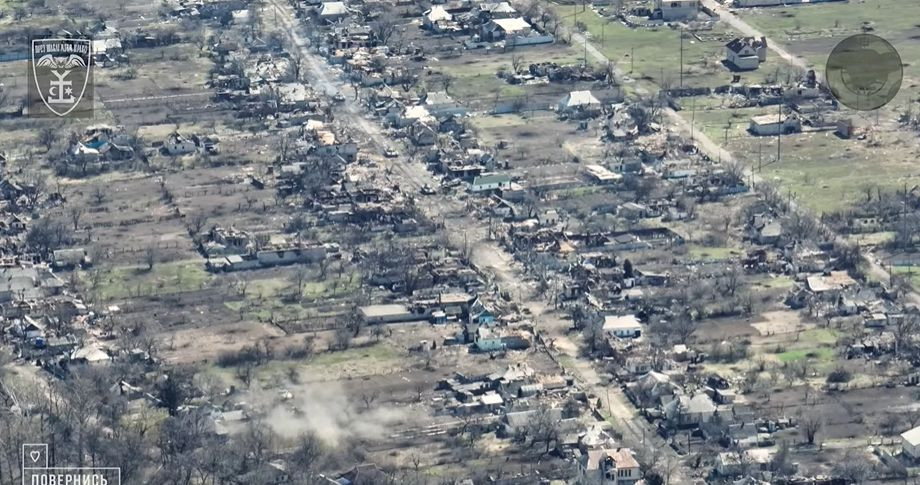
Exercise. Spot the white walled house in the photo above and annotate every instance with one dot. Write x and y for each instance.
(746, 53)
(774, 124)
(669, 10)
(490, 182)
(579, 101)
(623, 326)
(177, 144)
(910, 443)
(603, 466)
(498, 29)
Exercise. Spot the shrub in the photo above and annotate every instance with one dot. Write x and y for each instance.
(839, 375)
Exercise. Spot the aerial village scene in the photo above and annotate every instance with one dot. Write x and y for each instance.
(464, 242)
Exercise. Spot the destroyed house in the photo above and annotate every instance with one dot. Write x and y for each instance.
(331, 12)
(28, 283)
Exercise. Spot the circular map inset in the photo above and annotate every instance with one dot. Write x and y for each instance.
(864, 72)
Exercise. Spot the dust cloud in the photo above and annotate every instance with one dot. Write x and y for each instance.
(332, 415)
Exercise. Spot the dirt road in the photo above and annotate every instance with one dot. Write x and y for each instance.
(747, 30)
(486, 254)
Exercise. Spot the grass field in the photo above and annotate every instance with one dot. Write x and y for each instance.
(713, 253)
(812, 30)
(130, 281)
(911, 271)
(474, 75)
(819, 354)
(823, 172)
(271, 298)
(779, 282)
(350, 363)
(815, 344)
(652, 55)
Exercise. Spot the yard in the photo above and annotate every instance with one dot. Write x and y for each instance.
(472, 78)
(123, 282)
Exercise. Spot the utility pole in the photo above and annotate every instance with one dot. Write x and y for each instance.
(632, 59)
(779, 132)
(681, 57)
(692, 117)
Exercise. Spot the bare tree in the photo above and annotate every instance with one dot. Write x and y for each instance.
(368, 399)
(76, 213)
(517, 63)
(196, 222)
(341, 339)
(98, 195)
(385, 25)
(904, 329)
(811, 424)
(300, 277)
(854, 467)
(49, 134)
(150, 256)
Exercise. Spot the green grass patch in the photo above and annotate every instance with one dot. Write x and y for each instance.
(474, 77)
(369, 359)
(377, 352)
(779, 282)
(273, 298)
(123, 282)
(497, 121)
(818, 336)
(818, 354)
(652, 55)
(913, 272)
(823, 173)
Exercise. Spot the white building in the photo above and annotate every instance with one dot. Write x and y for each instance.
(774, 124)
(669, 10)
(910, 443)
(746, 53)
(489, 182)
(436, 17)
(488, 339)
(582, 101)
(332, 11)
(604, 466)
(498, 29)
(623, 326)
(177, 144)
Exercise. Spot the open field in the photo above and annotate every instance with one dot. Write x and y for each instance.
(652, 55)
(811, 31)
(534, 139)
(824, 172)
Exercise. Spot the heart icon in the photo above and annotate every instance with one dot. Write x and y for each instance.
(35, 455)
